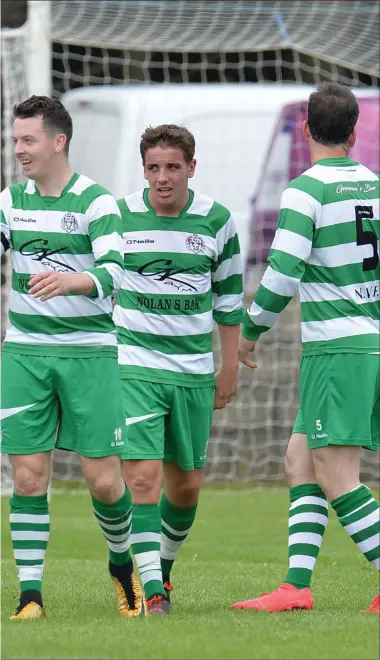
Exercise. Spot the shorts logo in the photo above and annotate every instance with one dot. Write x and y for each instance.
(195, 243)
(69, 222)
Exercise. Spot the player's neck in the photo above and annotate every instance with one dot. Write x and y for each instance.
(320, 152)
(168, 210)
(54, 183)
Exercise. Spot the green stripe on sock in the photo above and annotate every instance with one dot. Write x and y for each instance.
(146, 519)
(30, 570)
(113, 515)
(179, 520)
(358, 513)
(303, 554)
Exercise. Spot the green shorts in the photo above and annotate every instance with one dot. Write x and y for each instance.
(340, 400)
(167, 422)
(63, 402)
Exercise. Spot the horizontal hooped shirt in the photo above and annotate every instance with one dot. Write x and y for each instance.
(80, 231)
(327, 246)
(180, 275)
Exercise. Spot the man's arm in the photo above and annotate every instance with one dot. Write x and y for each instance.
(107, 274)
(290, 251)
(5, 206)
(227, 290)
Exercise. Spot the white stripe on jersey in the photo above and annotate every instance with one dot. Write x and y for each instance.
(353, 174)
(277, 282)
(104, 244)
(77, 338)
(260, 316)
(300, 201)
(340, 255)
(60, 306)
(227, 268)
(194, 363)
(292, 243)
(47, 221)
(151, 284)
(341, 212)
(350, 326)
(166, 241)
(358, 293)
(227, 303)
(58, 262)
(101, 206)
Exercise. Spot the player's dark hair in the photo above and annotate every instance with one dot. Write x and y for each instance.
(332, 114)
(55, 117)
(168, 135)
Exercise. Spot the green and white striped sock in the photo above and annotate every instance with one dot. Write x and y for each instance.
(146, 537)
(358, 513)
(115, 521)
(308, 514)
(30, 530)
(176, 524)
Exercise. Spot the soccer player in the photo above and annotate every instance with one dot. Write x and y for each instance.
(60, 381)
(326, 246)
(182, 273)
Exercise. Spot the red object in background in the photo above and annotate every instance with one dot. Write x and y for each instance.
(288, 157)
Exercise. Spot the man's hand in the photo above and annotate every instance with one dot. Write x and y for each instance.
(246, 346)
(226, 381)
(48, 285)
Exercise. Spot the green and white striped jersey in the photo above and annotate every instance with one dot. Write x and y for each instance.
(327, 244)
(181, 274)
(80, 231)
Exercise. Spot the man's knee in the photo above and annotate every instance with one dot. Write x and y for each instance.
(182, 487)
(337, 469)
(103, 476)
(144, 478)
(298, 461)
(31, 473)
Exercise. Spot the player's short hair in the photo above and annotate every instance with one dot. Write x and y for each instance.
(168, 135)
(55, 117)
(332, 114)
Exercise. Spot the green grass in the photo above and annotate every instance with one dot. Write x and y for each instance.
(237, 549)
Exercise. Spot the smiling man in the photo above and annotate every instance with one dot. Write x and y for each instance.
(182, 273)
(60, 381)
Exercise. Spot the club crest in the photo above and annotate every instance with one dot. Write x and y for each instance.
(69, 222)
(195, 243)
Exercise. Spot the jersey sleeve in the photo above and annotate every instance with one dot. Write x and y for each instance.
(289, 253)
(106, 238)
(226, 277)
(5, 207)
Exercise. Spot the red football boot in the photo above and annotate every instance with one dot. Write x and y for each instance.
(286, 597)
(374, 608)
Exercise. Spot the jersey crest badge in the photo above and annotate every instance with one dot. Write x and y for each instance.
(69, 222)
(195, 243)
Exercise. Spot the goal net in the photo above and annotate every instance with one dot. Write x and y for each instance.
(120, 42)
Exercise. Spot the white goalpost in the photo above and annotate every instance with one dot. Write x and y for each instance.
(72, 43)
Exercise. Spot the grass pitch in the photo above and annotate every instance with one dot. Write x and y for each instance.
(237, 549)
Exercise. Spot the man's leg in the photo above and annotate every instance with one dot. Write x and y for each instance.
(144, 479)
(178, 507)
(30, 529)
(307, 523)
(340, 423)
(145, 407)
(112, 505)
(186, 439)
(92, 425)
(337, 470)
(29, 420)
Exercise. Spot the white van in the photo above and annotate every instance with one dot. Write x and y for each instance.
(232, 124)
